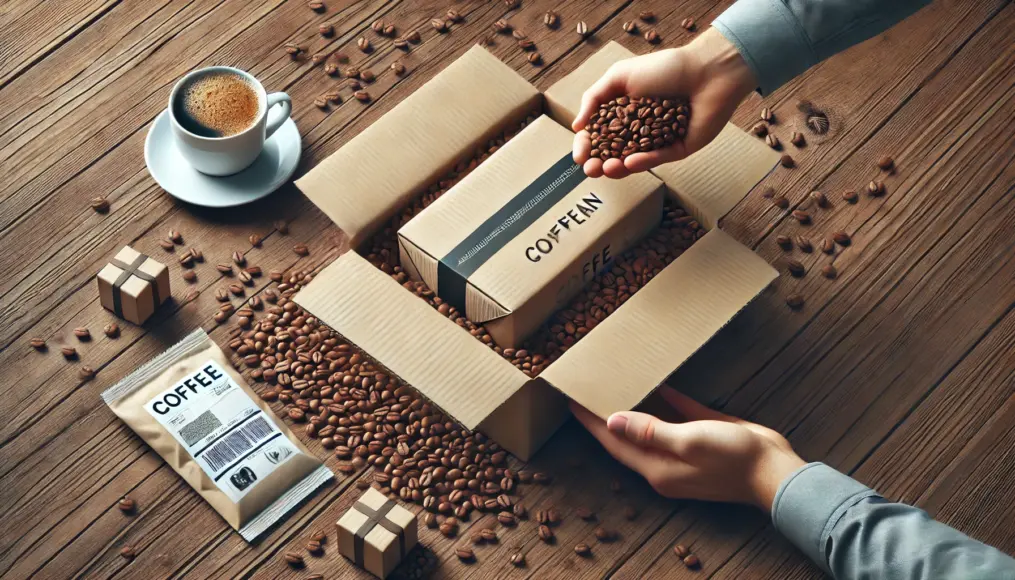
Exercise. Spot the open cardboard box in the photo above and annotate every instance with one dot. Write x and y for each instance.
(613, 368)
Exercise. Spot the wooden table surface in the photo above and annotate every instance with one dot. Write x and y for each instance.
(900, 372)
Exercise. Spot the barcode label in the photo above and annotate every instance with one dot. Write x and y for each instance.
(236, 443)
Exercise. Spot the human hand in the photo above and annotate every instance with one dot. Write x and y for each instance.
(709, 72)
(708, 456)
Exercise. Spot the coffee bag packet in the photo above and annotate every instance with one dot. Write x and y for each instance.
(193, 408)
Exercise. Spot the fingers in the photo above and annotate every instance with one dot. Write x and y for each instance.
(610, 85)
(693, 410)
(644, 161)
(614, 169)
(581, 149)
(645, 430)
(626, 452)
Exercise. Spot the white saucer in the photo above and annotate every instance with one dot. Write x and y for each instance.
(273, 167)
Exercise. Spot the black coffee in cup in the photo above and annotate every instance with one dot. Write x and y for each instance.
(217, 104)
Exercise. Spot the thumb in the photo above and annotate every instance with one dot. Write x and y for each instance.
(645, 430)
(612, 84)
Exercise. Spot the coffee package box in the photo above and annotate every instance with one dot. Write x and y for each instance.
(612, 368)
(376, 533)
(133, 285)
(519, 236)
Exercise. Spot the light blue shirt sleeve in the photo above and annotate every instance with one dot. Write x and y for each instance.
(854, 533)
(779, 39)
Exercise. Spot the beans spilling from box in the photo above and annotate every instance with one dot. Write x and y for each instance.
(628, 125)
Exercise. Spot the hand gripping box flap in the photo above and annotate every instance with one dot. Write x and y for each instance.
(458, 373)
(633, 351)
(707, 184)
(380, 170)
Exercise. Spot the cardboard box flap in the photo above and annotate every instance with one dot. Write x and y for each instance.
(460, 374)
(707, 184)
(380, 170)
(711, 182)
(633, 351)
(564, 97)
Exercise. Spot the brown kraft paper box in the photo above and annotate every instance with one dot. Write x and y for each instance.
(519, 236)
(376, 533)
(615, 366)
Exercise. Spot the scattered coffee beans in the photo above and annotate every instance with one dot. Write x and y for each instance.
(876, 188)
(804, 244)
(796, 268)
(534, 58)
(829, 271)
(628, 125)
(518, 559)
(784, 242)
(316, 5)
(314, 547)
(38, 344)
(126, 505)
(526, 44)
(795, 301)
(687, 24)
(367, 76)
(189, 276)
(630, 27)
(439, 24)
(797, 139)
(551, 19)
(512, 4)
(453, 15)
(886, 163)
(772, 141)
(198, 256)
(850, 196)
(767, 115)
(82, 334)
(502, 26)
(545, 533)
(100, 204)
(86, 373)
(69, 352)
(293, 50)
(518, 34)
(652, 37)
(787, 161)
(681, 551)
(819, 199)
(318, 58)
(401, 43)
(224, 269)
(583, 550)
(167, 245)
(293, 559)
(363, 44)
(465, 554)
(692, 561)
(398, 68)
(828, 246)
(841, 238)
(759, 129)
(647, 15)
(582, 29)
(780, 202)
(301, 250)
(128, 553)
(187, 260)
(605, 534)
(630, 513)
(585, 513)
(326, 29)
(801, 216)
(362, 96)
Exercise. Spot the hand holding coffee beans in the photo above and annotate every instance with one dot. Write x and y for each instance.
(628, 125)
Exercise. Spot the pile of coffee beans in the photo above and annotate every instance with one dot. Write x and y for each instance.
(628, 125)
(631, 271)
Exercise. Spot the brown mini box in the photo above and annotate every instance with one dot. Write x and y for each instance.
(618, 363)
(133, 285)
(523, 233)
(376, 533)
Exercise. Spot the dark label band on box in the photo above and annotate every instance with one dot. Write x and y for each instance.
(503, 226)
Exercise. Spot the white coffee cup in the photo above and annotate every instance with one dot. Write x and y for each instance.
(220, 156)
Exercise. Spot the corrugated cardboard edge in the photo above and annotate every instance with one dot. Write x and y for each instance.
(419, 140)
(707, 184)
(527, 420)
(448, 366)
(661, 326)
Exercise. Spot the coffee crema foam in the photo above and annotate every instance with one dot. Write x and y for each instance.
(217, 105)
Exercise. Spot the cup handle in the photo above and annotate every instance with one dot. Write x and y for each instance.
(287, 107)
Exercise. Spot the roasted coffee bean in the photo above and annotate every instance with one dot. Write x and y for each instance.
(787, 161)
(355, 85)
(627, 125)
(224, 269)
(189, 276)
(326, 29)
(367, 76)
(551, 19)
(526, 44)
(819, 199)
(647, 15)
(519, 511)
(886, 163)
(876, 188)
(687, 24)
(198, 256)
(86, 373)
(255, 240)
(681, 551)
(430, 519)
(804, 244)
(692, 561)
(316, 5)
(545, 533)
(222, 295)
(652, 37)
(187, 260)
(398, 67)
(841, 238)
(850, 196)
(314, 547)
(759, 129)
(780, 202)
(502, 26)
(128, 553)
(512, 4)
(401, 44)
(390, 30)
(518, 559)
(448, 529)
(192, 296)
(585, 513)
(797, 139)
(167, 245)
(534, 58)
(82, 333)
(413, 37)
(377, 26)
(582, 29)
(630, 27)
(301, 249)
(518, 34)
(176, 237)
(772, 141)
(318, 58)
(293, 50)
(69, 352)
(465, 554)
(254, 271)
(796, 268)
(506, 518)
(439, 24)
(293, 559)
(784, 242)
(605, 534)
(352, 73)
(362, 96)
(236, 289)
(801, 216)
(541, 478)
(38, 344)
(315, 577)
(321, 102)
(220, 317)
(829, 271)
(767, 115)
(828, 246)
(489, 535)
(127, 505)
(583, 550)
(795, 301)
(100, 204)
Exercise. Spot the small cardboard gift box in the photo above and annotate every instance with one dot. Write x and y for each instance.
(376, 533)
(520, 235)
(624, 358)
(133, 285)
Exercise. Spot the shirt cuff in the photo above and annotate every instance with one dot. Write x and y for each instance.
(770, 38)
(810, 502)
